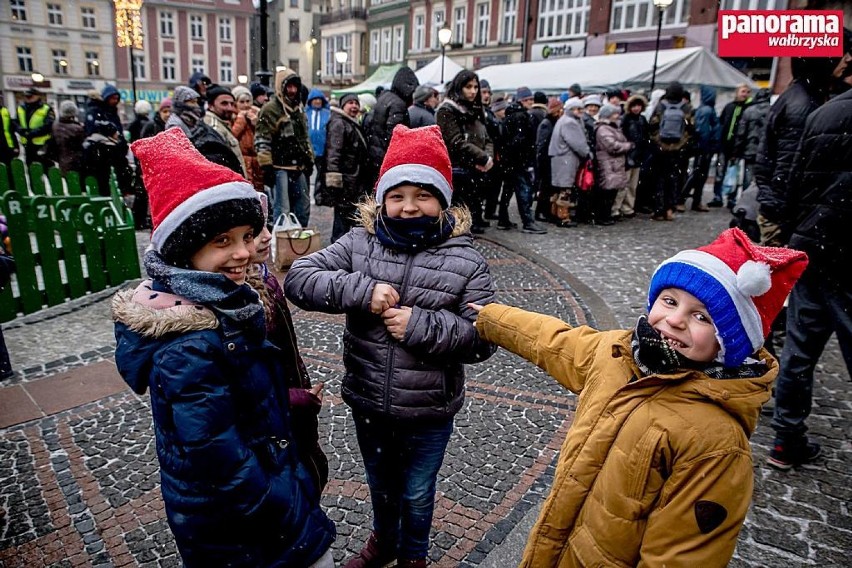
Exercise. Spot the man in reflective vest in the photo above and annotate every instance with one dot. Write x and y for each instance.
(8, 140)
(35, 124)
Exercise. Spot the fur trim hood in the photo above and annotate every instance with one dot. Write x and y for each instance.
(368, 210)
(154, 314)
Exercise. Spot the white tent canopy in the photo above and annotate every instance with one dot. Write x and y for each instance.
(691, 66)
(430, 74)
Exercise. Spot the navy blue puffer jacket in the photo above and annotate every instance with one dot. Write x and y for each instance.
(234, 492)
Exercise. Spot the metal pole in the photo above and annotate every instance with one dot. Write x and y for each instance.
(443, 57)
(263, 74)
(656, 52)
(133, 75)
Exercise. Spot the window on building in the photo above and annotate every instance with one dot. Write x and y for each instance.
(753, 4)
(226, 72)
(375, 48)
(438, 20)
(460, 24)
(294, 31)
(196, 27)
(398, 42)
(139, 65)
(294, 3)
(88, 17)
(168, 68)
(60, 62)
(224, 29)
(19, 10)
(565, 18)
(386, 45)
(419, 39)
(639, 14)
(509, 22)
(54, 14)
(167, 24)
(294, 65)
(25, 59)
(197, 65)
(93, 64)
(483, 23)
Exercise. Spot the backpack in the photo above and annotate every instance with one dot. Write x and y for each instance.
(673, 122)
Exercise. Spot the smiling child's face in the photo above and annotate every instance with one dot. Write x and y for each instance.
(685, 324)
(409, 201)
(227, 253)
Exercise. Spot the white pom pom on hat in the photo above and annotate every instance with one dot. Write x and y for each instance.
(754, 278)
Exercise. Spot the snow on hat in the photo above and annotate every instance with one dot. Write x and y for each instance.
(743, 286)
(417, 156)
(191, 199)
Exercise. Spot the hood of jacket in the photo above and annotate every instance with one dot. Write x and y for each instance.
(147, 317)
(282, 79)
(368, 211)
(197, 78)
(109, 91)
(404, 84)
(708, 96)
(317, 94)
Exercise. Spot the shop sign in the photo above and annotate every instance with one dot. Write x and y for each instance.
(144, 95)
(557, 49)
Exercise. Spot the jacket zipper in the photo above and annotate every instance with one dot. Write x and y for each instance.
(392, 341)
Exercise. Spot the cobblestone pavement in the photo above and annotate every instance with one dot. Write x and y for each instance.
(81, 487)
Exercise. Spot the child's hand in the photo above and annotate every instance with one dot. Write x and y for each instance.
(384, 297)
(475, 307)
(316, 390)
(396, 320)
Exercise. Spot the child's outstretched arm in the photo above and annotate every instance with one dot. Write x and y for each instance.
(443, 332)
(324, 281)
(543, 340)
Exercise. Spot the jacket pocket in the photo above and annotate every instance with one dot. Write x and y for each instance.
(641, 469)
(583, 546)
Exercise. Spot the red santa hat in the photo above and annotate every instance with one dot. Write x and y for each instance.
(192, 199)
(743, 286)
(416, 156)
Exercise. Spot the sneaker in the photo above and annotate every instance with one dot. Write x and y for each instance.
(715, 203)
(371, 556)
(506, 225)
(785, 455)
(534, 229)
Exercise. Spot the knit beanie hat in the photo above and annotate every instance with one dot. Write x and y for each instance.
(417, 156)
(240, 91)
(184, 94)
(553, 105)
(523, 93)
(608, 110)
(539, 98)
(215, 91)
(743, 286)
(484, 85)
(166, 103)
(422, 93)
(192, 199)
(257, 90)
(67, 109)
(348, 97)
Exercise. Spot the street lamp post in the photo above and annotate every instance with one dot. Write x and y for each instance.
(445, 34)
(128, 32)
(341, 57)
(661, 7)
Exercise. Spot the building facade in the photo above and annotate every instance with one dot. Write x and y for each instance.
(343, 26)
(64, 48)
(294, 37)
(387, 29)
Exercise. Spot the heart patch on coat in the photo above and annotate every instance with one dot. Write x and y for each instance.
(709, 515)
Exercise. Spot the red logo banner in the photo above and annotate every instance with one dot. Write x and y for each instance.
(780, 33)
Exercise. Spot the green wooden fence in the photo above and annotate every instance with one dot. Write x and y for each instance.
(67, 240)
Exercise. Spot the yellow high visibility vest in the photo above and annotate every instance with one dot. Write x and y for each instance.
(7, 128)
(36, 121)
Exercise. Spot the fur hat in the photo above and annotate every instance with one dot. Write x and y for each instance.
(67, 109)
(192, 199)
(417, 156)
(743, 286)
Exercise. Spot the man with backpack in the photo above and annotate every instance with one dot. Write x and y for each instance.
(671, 126)
(707, 133)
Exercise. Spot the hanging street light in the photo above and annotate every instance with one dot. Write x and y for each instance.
(661, 6)
(445, 34)
(128, 32)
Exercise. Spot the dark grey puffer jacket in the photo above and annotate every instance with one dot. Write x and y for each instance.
(420, 378)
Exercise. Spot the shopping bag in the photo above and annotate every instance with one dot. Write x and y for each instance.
(292, 241)
(585, 180)
(560, 205)
(729, 182)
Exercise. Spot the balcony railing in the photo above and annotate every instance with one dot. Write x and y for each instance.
(343, 15)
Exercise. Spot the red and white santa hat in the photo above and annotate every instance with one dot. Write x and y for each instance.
(743, 286)
(416, 156)
(191, 199)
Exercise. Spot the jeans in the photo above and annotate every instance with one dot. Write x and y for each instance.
(402, 463)
(815, 311)
(522, 183)
(291, 194)
(695, 182)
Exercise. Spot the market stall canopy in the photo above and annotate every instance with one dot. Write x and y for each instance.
(691, 66)
(382, 76)
(430, 74)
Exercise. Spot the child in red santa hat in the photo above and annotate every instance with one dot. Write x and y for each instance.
(404, 280)
(657, 468)
(193, 334)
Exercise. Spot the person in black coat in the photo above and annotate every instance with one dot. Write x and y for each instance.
(542, 159)
(818, 214)
(518, 161)
(422, 112)
(105, 147)
(391, 109)
(635, 128)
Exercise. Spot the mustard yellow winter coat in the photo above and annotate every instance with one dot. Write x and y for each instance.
(654, 472)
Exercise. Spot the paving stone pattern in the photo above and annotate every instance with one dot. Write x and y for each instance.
(81, 487)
